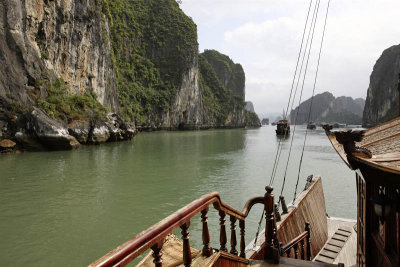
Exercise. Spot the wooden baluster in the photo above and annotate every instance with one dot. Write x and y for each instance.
(288, 253)
(277, 247)
(207, 249)
(269, 223)
(308, 243)
(157, 254)
(302, 249)
(296, 247)
(187, 254)
(242, 241)
(233, 236)
(222, 234)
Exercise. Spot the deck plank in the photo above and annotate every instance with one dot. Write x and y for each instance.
(342, 242)
(333, 248)
(288, 262)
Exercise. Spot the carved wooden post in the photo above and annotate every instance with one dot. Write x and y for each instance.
(284, 206)
(308, 243)
(207, 249)
(269, 223)
(242, 241)
(222, 234)
(157, 254)
(187, 254)
(296, 249)
(302, 249)
(233, 236)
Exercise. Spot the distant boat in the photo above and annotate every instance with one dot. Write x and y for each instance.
(311, 126)
(339, 125)
(283, 127)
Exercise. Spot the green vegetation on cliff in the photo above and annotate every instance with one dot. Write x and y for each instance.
(153, 43)
(230, 74)
(61, 105)
(219, 100)
(252, 119)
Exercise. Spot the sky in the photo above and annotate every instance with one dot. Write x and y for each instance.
(264, 36)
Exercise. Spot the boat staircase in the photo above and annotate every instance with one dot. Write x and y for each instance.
(168, 250)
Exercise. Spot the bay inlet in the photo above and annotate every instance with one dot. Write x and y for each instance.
(69, 208)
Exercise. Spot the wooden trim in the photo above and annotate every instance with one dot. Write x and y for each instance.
(128, 251)
(294, 241)
(336, 144)
(371, 163)
(229, 256)
(287, 218)
(382, 252)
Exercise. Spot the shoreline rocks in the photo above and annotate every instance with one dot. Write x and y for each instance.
(6, 145)
(37, 131)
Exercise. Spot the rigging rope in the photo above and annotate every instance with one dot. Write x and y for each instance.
(280, 145)
(302, 87)
(312, 98)
(298, 79)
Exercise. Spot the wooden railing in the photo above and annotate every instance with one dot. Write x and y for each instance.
(299, 242)
(154, 236)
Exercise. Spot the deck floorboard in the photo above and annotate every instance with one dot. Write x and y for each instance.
(341, 246)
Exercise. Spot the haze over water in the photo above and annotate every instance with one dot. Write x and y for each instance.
(69, 208)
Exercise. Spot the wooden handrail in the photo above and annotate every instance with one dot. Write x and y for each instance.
(304, 240)
(294, 241)
(156, 234)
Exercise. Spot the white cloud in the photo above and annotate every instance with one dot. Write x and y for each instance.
(264, 36)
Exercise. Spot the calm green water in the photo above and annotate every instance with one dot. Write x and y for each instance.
(69, 208)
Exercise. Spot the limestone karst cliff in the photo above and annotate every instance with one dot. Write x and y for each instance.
(43, 40)
(249, 106)
(101, 70)
(326, 108)
(382, 98)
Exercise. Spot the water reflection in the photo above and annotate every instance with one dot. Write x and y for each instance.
(75, 206)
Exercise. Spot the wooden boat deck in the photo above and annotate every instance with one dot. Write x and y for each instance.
(288, 262)
(308, 207)
(342, 249)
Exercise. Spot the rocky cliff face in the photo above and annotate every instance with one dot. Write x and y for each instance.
(72, 62)
(249, 106)
(326, 108)
(223, 85)
(382, 97)
(186, 111)
(230, 75)
(43, 40)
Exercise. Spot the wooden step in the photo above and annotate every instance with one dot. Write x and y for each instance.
(332, 248)
(288, 262)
